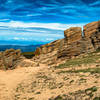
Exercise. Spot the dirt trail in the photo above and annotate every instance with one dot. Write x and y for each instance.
(11, 78)
(43, 82)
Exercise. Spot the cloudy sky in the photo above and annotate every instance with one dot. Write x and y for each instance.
(44, 20)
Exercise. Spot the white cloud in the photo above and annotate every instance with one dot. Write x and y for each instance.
(16, 38)
(56, 26)
(50, 39)
(16, 30)
(4, 19)
(19, 38)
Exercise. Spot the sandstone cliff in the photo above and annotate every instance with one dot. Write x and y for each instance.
(92, 31)
(74, 43)
(73, 34)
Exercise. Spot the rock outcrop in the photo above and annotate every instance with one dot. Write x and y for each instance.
(89, 43)
(76, 48)
(91, 28)
(9, 58)
(92, 31)
(74, 43)
(47, 48)
(73, 34)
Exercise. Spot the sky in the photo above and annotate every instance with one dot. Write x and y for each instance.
(43, 21)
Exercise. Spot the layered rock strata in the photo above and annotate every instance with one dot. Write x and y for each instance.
(74, 43)
(9, 58)
(92, 31)
(73, 34)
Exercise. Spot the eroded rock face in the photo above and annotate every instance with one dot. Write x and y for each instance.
(91, 28)
(79, 47)
(47, 48)
(9, 58)
(92, 31)
(73, 34)
(74, 42)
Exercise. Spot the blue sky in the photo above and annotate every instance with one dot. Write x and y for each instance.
(44, 20)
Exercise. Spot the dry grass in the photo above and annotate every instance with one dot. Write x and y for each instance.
(88, 59)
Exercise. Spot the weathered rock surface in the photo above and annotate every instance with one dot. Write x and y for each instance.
(92, 31)
(47, 48)
(74, 43)
(9, 58)
(89, 43)
(91, 28)
(79, 47)
(73, 34)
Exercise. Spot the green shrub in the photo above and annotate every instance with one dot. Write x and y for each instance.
(96, 98)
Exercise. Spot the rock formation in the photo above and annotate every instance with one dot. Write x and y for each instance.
(47, 48)
(91, 28)
(73, 34)
(76, 48)
(74, 43)
(9, 58)
(92, 31)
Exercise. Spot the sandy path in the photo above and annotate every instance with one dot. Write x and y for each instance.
(45, 76)
(11, 78)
